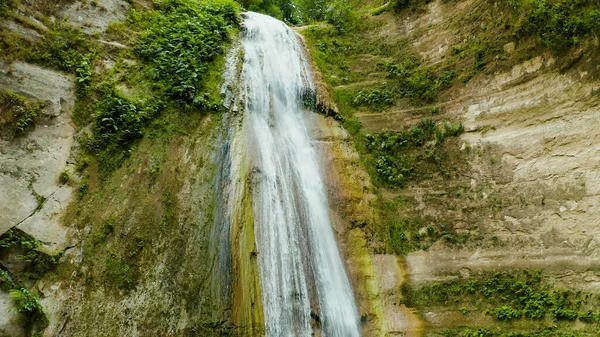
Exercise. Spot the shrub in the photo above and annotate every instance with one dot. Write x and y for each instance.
(558, 23)
(62, 48)
(341, 14)
(453, 129)
(399, 156)
(64, 177)
(182, 39)
(119, 120)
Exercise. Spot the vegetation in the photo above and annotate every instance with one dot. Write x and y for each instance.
(508, 296)
(18, 115)
(181, 41)
(38, 260)
(396, 157)
(37, 263)
(118, 273)
(487, 332)
(118, 123)
(557, 23)
(5, 6)
(401, 5)
(26, 302)
(372, 70)
(61, 47)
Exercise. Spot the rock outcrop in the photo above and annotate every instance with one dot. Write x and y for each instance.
(32, 196)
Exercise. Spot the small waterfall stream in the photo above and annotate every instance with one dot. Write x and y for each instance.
(303, 282)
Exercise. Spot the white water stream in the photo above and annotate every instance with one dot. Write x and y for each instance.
(303, 280)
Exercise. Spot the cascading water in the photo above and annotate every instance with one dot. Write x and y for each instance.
(302, 278)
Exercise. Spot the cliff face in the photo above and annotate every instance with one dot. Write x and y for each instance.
(515, 187)
(86, 249)
(519, 192)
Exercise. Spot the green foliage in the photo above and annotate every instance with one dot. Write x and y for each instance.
(105, 230)
(400, 240)
(6, 281)
(17, 115)
(120, 121)
(412, 233)
(408, 80)
(341, 14)
(420, 84)
(84, 77)
(558, 23)
(505, 313)
(64, 177)
(118, 273)
(376, 99)
(25, 301)
(508, 296)
(62, 48)
(398, 154)
(313, 10)
(486, 332)
(5, 6)
(39, 261)
(182, 39)
(28, 303)
(84, 187)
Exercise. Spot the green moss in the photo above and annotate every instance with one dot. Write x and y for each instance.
(118, 273)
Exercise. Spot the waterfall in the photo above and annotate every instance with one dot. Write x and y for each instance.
(303, 282)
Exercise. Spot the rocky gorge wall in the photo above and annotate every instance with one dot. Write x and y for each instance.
(136, 249)
(122, 253)
(525, 199)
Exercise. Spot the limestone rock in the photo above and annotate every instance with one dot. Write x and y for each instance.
(30, 165)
